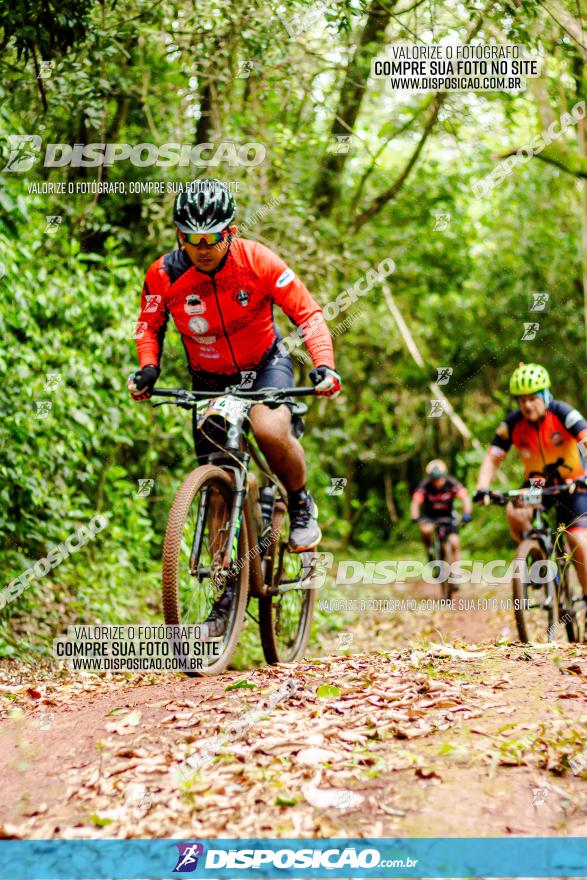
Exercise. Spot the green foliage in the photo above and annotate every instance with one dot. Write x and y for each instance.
(49, 27)
(160, 72)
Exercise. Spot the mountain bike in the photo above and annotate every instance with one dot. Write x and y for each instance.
(545, 592)
(441, 550)
(226, 537)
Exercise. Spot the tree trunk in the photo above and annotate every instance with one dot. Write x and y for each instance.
(326, 190)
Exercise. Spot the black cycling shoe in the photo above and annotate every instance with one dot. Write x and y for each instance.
(215, 624)
(304, 531)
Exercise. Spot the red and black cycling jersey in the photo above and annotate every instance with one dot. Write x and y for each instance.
(545, 446)
(225, 317)
(437, 503)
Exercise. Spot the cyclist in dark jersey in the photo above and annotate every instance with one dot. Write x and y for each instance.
(549, 436)
(220, 291)
(434, 499)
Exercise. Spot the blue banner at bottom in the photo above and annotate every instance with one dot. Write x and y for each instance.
(293, 858)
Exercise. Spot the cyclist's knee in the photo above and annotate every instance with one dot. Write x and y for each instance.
(518, 519)
(270, 425)
(578, 541)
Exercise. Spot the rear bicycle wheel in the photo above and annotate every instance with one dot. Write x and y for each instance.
(285, 615)
(535, 603)
(194, 575)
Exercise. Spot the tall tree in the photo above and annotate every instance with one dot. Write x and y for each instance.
(370, 42)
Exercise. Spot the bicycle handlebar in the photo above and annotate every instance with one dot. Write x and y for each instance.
(502, 498)
(183, 396)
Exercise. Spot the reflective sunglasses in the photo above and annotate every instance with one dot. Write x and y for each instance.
(208, 238)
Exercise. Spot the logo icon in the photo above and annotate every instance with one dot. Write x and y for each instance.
(247, 379)
(539, 302)
(187, 860)
(198, 325)
(23, 152)
(530, 331)
(54, 221)
(46, 69)
(343, 144)
(441, 222)
(152, 302)
(53, 381)
(194, 305)
(444, 374)
(137, 329)
(337, 486)
(42, 408)
(437, 409)
(245, 69)
(145, 487)
(243, 297)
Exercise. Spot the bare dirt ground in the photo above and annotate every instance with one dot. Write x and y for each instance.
(432, 724)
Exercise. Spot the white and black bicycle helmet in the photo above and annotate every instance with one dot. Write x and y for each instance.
(206, 205)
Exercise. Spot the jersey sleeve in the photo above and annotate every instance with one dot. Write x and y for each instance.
(295, 300)
(153, 317)
(419, 493)
(458, 490)
(571, 418)
(502, 439)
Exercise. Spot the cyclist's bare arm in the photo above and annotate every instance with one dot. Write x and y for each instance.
(465, 499)
(489, 468)
(415, 507)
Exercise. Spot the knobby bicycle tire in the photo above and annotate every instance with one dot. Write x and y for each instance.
(532, 549)
(178, 516)
(268, 608)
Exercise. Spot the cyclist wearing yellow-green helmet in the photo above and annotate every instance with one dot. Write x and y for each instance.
(530, 379)
(551, 438)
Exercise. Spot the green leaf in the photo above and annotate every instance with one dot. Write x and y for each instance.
(325, 691)
(240, 685)
(285, 801)
(100, 821)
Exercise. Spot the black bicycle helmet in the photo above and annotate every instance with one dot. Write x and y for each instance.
(206, 205)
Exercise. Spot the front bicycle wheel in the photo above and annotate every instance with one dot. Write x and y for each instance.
(194, 552)
(570, 596)
(285, 615)
(446, 588)
(535, 595)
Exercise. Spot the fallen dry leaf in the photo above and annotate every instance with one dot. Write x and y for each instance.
(124, 725)
(315, 756)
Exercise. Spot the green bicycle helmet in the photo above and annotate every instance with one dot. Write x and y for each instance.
(529, 379)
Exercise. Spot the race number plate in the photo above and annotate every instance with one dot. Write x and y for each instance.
(229, 408)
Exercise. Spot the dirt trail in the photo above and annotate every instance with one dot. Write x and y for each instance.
(451, 731)
(417, 742)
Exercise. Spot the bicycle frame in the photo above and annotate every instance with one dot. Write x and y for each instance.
(546, 536)
(237, 436)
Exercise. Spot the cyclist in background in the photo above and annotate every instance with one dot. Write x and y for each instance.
(547, 434)
(434, 499)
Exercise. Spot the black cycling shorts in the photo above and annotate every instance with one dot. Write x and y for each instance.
(275, 371)
(451, 530)
(571, 510)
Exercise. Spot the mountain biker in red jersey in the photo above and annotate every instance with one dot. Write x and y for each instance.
(547, 434)
(220, 291)
(433, 499)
